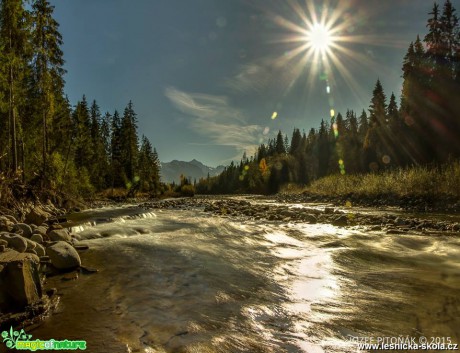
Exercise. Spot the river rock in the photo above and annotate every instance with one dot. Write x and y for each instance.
(42, 230)
(399, 221)
(63, 256)
(31, 251)
(54, 226)
(5, 224)
(11, 218)
(340, 221)
(310, 218)
(59, 235)
(40, 250)
(37, 216)
(25, 228)
(30, 244)
(19, 280)
(15, 242)
(38, 238)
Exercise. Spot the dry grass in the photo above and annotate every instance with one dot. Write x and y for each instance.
(423, 181)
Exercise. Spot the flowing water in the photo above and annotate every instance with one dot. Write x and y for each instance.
(186, 281)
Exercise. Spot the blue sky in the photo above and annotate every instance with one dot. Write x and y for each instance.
(206, 76)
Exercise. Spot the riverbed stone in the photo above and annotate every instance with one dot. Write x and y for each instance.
(42, 230)
(54, 226)
(30, 244)
(23, 282)
(63, 256)
(310, 218)
(37, 216)
(15, 241)
(59, 235)
(24, 228)
(38, 238)
(19, 280)
(340, 221)
(11, 218)
(5, 224)
(40, 250)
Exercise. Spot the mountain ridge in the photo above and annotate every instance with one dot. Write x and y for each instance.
(194, 169)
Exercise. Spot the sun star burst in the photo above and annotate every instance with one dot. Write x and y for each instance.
(319, 38)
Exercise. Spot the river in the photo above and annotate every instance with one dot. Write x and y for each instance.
(185, 281)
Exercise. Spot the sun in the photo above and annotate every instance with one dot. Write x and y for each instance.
(322, 44)
(319, 38)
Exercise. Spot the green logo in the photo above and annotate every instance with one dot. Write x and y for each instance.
(20, 340)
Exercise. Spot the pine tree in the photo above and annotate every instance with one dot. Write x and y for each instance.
(116, 152)
(83, 142)
(377, 109)
(286, 144)
(434, 42)
(450, 34)
(377, 138)
(47, 69)
(279, 144)
(129, 142)
(100, 162)
(439, 128)
(106, 126)
(295, 142)
(156, 171)
(149, 168)
(14, 33)
(324, 151)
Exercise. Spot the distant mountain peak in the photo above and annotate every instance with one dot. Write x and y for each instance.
(171, 171)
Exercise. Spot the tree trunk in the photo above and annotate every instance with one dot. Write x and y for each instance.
(12, 115)
(44, 147)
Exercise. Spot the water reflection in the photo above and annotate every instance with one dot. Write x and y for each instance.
(181, 281)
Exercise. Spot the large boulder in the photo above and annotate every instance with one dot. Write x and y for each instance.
(24, 228)
(59, 235)
(37, 216)
(63, 256)
(19, 280)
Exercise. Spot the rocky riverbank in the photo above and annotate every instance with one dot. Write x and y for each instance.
(342, 217)
(417, 203)
(33, 245)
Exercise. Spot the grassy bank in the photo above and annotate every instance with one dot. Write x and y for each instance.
(433, 182)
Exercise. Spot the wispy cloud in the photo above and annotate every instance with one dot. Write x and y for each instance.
(254, 77)
(271, 74)
(216, 119)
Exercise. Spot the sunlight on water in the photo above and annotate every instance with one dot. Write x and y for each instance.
(181, 281)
